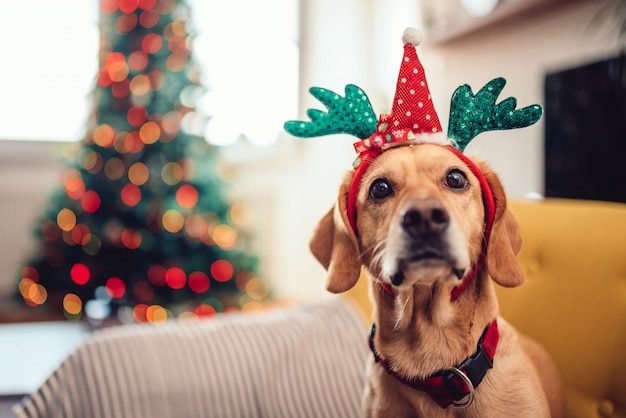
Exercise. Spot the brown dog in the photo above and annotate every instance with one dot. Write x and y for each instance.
(419, 233)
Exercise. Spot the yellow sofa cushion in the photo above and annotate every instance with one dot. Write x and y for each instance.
(574, 297)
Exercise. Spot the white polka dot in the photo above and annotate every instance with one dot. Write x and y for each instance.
(427, 117)
(422, 84)
(403, 80)
(416, 126)
(420, 104)
(400, 101)
(406, 59)
(415, 71)
(396, 123)
(408, 113)
(412, 91)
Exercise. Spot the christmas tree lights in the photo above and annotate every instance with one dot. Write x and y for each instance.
(140, 222)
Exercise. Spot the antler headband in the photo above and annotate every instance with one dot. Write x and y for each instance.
(412, 115)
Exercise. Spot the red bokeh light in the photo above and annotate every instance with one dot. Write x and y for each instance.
(151, 43)
(137, 115)
(115, 287)
(90, 201)
(222, 270)
(128, 6)
(198, 282)
(131, 195)
(187, 196)
(175, 278)
(156, 275)
(80, 273)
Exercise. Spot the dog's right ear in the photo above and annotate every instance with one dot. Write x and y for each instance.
(335, 246)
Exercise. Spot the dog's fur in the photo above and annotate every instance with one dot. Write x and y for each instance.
(420, 330)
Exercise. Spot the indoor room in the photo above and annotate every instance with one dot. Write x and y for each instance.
(180, 226)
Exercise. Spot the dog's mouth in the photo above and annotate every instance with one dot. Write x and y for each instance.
(423, 262)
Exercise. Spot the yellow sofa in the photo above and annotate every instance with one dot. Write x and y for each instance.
(574, 297)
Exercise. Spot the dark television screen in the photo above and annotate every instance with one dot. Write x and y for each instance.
(585, 131)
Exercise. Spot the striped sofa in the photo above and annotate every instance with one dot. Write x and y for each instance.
(299, 362)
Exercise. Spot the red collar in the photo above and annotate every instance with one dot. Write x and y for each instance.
(449, 386)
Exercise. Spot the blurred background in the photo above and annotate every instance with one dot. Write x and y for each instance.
(256, 61)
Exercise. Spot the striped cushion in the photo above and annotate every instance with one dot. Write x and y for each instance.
(302, 362)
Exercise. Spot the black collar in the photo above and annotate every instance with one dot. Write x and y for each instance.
(449, 386)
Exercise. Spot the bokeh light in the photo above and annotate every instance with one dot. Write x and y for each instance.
(175, 278)
(126, 22)
(81, 234)
(34, 294)
(173, 221)
(187, 196)
(257, 288)
(140, 85)
(149, 132)
(136, 115)
(72, 304)
(198, 282)
(157, 315)
(151, 43)
(225, 236)
(80, 273)
(222, 270)
(90, 201)
(137, 61)
(156, 275)
(114, 169)
(73, 183)
(148, 18)
(118, 71)
(131, 238)
(128, 6)
(239, 214)
(115, 287)
(66, 219)
(205, 311)
(138, 173)
(172, 173)
(130, 195)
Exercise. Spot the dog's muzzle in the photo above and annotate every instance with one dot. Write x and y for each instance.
(424, 223)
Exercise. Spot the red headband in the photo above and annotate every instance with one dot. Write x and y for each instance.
(413, 114)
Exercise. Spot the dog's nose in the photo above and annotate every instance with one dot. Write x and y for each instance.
(423, 217)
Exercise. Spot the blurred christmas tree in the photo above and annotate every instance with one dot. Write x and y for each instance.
(141, 221)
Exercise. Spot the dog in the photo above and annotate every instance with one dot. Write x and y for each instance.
(419, 232)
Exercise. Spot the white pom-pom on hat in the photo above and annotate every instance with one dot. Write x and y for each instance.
(412, 36)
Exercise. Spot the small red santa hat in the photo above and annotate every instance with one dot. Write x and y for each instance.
(412, 104)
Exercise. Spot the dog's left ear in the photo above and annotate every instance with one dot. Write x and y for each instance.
(335, 246)
(506, 240)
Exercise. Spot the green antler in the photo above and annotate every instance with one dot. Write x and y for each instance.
(352, 114)
(472, 114)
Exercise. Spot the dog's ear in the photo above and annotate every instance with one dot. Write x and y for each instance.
(506, 240)
(335, 246)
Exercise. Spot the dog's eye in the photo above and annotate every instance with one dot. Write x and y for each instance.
(380, 189)
(456, 179)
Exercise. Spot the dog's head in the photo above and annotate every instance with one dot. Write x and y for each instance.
(420, 217)
(417, 213)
